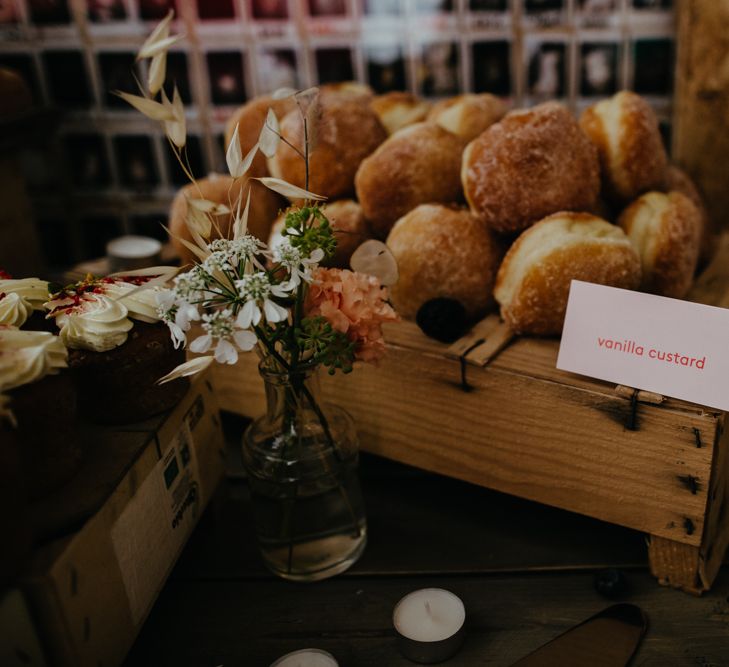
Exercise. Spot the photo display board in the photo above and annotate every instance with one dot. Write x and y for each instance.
(111, 171)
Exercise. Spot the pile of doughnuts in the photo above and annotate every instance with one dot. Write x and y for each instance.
(482, 206)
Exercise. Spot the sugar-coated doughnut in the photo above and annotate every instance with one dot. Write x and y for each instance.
(349, 225)
(443, 251)
(679, 181)
(468, 115)
(351, 89)
(346, 132)
(250, 119)
(397, 110)
(632, 157)
(666, 231)
(533, 282)
(222, 189)
(530, 164)
(418, 164)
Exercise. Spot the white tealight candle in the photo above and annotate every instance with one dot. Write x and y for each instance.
(429, 623)
(133, 252)
(308, 657)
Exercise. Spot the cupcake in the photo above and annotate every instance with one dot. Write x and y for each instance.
(21, 302)
(118, 348)
(41, 404)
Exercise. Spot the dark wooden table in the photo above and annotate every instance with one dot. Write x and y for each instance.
(524, 571)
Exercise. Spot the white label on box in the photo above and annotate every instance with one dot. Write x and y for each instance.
(672, 347)
(151, 531)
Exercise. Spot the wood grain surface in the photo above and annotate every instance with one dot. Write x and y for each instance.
(524, 571)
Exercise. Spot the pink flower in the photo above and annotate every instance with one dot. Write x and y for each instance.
(355, 304)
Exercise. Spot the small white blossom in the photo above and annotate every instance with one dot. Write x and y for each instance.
(222, 331)
(216, 261)
(235, 250)
(299, 267)
(186, 314)
(256, 289)
(177, 314)
(189, 285)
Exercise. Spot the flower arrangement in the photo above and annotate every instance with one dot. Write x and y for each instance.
(280, 300)
(246, 295)
(242, 294)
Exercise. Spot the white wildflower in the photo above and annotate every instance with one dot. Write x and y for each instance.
(244, 248)
(291, 259)
(177, 314)
(216, 261)
(256, 289)
(186, 314)
(190, 285)
(224, 334)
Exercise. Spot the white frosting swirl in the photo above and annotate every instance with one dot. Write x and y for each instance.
(14, 309)
(140, 301)
(95, 314)
(28, 356)
(97, 323)
(19, 298)
(32, 290)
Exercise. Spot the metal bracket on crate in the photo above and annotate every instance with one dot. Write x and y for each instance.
(480, 345)
(637, 396)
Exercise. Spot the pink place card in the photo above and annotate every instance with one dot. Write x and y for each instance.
(671, 347)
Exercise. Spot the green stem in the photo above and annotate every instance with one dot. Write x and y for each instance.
(232, 295)
(289, 423)
(304, 390)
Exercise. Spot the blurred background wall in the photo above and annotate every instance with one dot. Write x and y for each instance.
(108, 171)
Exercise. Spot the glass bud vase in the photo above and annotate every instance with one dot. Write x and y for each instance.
(302, 458)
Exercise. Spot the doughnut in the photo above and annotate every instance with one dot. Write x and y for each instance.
(530, 164)
(443, 252)
(679, 181)
(349, 225)
(533, 282)
(397, 110)
(416, 165)
(250, 119)
(348, 89)
(346, 132)
(221, 189)
(632, 157)
(468, 115)
(666, 231)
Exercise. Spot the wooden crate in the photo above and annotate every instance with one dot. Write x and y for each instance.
(499, 414)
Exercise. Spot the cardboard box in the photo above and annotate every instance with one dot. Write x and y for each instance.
(91, 592)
